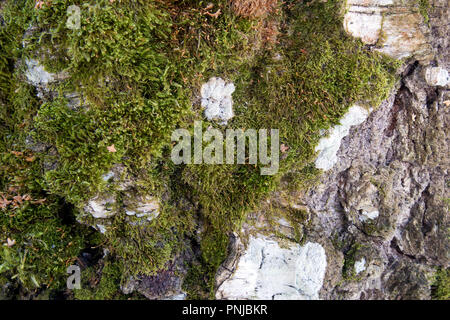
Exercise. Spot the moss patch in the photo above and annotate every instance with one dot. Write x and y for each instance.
(138, 67)
(441, 286)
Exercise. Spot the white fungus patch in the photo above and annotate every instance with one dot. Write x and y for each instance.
(101, 228)
(329, 146)
(217, 100)
(148, 208)
(130, 212)
(360, 265)
(100, 207)
(36, 73)
(38, 76)
(283, 222)
(369, 215)
(310, 270)
(437, 76)
(181, 296)
(108, 176)
(267, 271)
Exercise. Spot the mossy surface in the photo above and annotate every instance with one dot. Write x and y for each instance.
(137, 67)
(348, 269)
(424, 7)
(321, 73)
(39, 238)
(102, 282)
(441, 286)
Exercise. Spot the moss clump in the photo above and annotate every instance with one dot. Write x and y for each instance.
(441, 286)
(38, 236)
(424, 6)
(139, 121)
(42, 248)
(15, 17)
(102, 282)
(348, 270)
(43, 240)
(198, 282)
(119, 62)
(147, 248)
(82, 155)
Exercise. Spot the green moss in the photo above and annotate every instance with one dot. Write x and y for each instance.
(43, 240)
(82, 155)
(43, 249)
(102, 282)
(348, 270)
(424, 6)
(16, 16)
(119, 46)
(199, 281)
(145, 248)
(441, 286)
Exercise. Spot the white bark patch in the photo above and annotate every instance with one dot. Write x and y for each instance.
(36, 74)
(360, 265)
(100, 208)
(369, 215)
(363, 26)
(393, 27)
(267, 271)
(149, 208)
(329, 146)
(101, 228)
(108, 176)
(436, 76)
